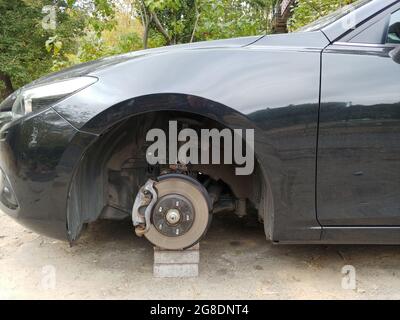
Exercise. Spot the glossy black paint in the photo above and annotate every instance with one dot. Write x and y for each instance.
(273, 84)
(253, 99)
(38, 155)
(359, 145)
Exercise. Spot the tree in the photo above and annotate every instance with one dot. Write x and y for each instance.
(233, 18)
(168, 22)
(110, 28)
(30, 48)
(23, 54)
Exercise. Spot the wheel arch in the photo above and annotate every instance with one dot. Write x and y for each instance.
(78, 211)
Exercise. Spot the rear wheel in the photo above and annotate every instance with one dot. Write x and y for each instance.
(181, 215)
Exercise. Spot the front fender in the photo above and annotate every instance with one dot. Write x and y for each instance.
(272, 89)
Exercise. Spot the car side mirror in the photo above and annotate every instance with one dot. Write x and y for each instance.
(395, 54)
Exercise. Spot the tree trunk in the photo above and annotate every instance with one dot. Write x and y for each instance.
(8, 85)
(161, 29)
(146, 32)
(197, 14)
(146, 20)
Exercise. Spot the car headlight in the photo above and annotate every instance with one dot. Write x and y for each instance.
(39, 97)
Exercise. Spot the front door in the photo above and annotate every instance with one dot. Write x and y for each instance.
(358, 162)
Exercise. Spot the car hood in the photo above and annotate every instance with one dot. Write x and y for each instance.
(305, 40)
(89, 67)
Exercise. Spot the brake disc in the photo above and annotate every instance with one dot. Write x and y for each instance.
(181, 215)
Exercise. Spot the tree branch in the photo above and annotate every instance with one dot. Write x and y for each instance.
(146, 20)
(6, 79)
(160, 28)
(196, 22)
(146, 32)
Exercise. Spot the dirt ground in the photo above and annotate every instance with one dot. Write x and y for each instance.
(109, 262)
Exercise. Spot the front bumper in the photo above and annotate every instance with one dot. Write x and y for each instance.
(38, 155)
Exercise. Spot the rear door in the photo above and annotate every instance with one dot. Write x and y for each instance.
(358, 162)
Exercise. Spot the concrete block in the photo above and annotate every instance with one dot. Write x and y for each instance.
(176, 263)
(174, 257)
(182, 270)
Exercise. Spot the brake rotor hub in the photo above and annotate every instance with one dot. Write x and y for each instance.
(173, 215)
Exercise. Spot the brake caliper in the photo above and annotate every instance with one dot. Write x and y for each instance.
(143, 207)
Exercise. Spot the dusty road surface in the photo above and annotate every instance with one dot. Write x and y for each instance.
(109, 262)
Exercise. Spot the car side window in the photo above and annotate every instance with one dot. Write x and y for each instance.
(393, 35)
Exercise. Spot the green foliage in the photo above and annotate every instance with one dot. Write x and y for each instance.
(233, 18)
(128, 42)
(196, 20)
(27, 49)
(113, 33)
(102, 18)
(22, 54)
(164, 4)
(176, 17)
(307, 11)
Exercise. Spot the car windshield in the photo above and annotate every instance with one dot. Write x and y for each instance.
(334, 16)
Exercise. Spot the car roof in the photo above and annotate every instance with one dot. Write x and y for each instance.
(342, 26)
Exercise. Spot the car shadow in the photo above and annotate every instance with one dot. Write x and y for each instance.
(230, 235)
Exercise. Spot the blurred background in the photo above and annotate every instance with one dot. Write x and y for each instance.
(41, 36)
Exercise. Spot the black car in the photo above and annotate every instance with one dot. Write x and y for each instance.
(324, 104)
